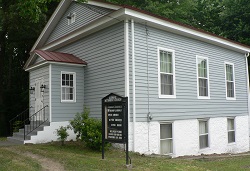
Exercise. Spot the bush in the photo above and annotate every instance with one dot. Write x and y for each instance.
(62, 134)
(17, 125)
(89, 130)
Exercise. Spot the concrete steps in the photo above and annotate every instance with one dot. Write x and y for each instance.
(18, 137)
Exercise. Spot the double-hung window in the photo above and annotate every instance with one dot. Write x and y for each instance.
(203, 134)
(68, 87)
(230, 130)
(166, 138)
(230, 81)
(166, 73)
(202, 78)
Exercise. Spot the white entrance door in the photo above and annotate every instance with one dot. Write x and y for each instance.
(38, 95)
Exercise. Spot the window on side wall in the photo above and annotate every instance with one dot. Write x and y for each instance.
(203, 134)
(166, 138)
(230, 81)
(230, 130)
(166, 73)
(203, 91)
(68, 87)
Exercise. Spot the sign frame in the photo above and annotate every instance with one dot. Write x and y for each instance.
(115, 121)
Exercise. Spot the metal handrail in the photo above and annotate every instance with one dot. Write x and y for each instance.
(37, 119)
(19, 118)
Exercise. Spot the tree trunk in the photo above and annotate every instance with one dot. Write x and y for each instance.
(2, 112)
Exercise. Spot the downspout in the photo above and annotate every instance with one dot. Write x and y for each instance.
(126, 56)
(133, 76)
(247, 55)
(50, 107)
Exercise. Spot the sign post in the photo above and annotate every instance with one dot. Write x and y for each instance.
(115, 121)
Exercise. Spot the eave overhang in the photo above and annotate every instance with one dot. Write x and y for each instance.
(53, 58)
(127, 12)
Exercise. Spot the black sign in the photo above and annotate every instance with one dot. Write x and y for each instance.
(115, 120)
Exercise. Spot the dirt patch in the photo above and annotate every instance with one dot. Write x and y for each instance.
(46, 163)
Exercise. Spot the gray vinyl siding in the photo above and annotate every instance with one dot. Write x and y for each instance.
(104, 73)
(85, 14)
(42, 72)
(186, 105)
(65, 111)
(38, 60)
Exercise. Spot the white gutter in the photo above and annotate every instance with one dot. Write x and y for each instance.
(126, 55)
(50, 97)
(133, 77)
(58, 63)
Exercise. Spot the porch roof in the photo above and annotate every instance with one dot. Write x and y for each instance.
(59, 57)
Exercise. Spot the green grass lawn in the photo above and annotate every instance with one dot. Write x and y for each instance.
(3, 138)
(74, 156)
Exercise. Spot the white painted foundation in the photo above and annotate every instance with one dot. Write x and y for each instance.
(49, 134)
(186, 137)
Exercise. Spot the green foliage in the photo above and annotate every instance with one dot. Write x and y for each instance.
(78, 122)
(62, 134)
(18, 33)
(17, 125)
(236, 17)
(89, 130)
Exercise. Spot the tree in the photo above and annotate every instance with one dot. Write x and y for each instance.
(177, 10)
(236, 17)
(21, 22)
(206, 15)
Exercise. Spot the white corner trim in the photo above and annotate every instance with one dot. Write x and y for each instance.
(50, 95)
(159, 73)
(197, 76)
(126, 58)
(133, 80)
(229, 98)
(247, 79)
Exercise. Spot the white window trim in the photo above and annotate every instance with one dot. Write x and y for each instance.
(159, 75)
(161, 123)
(74, 82)
(208, 125)
(73, 18)
(229, 63)
(197, 76)
(230, 143)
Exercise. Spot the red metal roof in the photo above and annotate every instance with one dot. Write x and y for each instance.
(59, 57)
